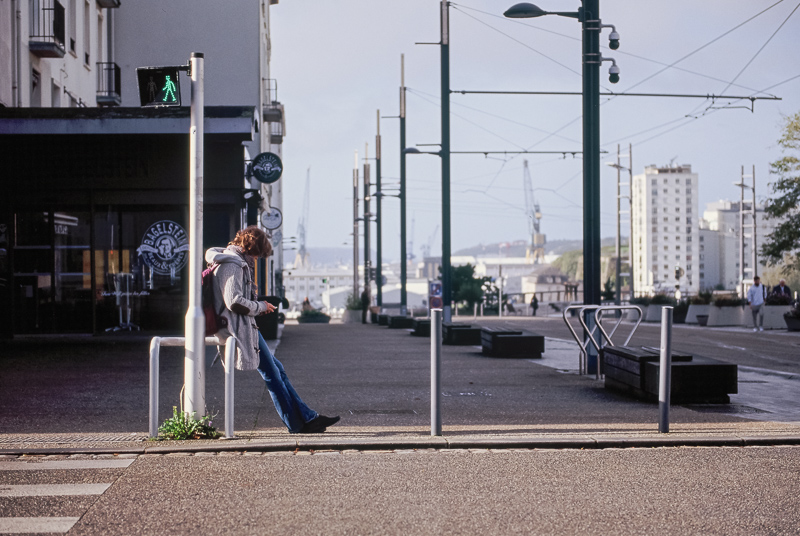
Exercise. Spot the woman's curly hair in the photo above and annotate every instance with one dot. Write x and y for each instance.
(253, 241)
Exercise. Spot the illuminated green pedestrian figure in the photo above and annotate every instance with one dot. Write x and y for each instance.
(169, 87)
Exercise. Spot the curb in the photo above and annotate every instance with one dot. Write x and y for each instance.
(440, 443)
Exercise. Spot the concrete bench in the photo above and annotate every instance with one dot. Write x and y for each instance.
(504, 342)
(460, 334)
(695, 379)
(421, 327)
(399, 322)
(383, 319)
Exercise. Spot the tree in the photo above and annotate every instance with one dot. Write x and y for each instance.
(466, 287)
(783, 244)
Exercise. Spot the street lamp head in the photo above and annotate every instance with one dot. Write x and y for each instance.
(524, 11)
(411, 150)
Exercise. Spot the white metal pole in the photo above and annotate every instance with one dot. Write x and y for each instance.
(500, 297)
(436, 376)
(155, 348)
(665, 370)
(194, 362)
(230, 357)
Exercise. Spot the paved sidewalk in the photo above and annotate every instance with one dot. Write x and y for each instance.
(90, 395)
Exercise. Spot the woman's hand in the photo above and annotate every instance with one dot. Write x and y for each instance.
(270, 308)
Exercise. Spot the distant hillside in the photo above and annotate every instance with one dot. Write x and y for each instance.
(517, 249)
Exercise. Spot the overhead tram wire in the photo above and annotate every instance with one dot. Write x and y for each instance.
(778, 29)
(667, 66)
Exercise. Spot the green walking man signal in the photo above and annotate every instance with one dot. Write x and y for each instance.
(159, 86)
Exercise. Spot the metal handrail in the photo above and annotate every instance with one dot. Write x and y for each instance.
(230, 354)
(598, 316)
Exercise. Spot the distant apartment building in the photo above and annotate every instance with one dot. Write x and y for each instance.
(665, 229)
(720, 243)
(57, 53)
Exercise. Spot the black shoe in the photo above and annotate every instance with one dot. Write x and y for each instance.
(318, 424)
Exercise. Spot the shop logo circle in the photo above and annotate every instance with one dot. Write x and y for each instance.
(165, 247)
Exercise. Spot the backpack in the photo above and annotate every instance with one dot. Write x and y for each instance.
(214, 321)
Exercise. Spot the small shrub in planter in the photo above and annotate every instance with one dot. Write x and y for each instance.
(662, 299)
(353, 302)
(730, 302)
(703, 298)
(641, 302)
(778, 299)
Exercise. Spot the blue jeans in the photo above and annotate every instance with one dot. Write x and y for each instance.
(293, 411)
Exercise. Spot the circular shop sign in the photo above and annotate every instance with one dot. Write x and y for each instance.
(165, 247)
(271, 218)
(266, 167)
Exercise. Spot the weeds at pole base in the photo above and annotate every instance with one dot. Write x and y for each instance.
(183, 426)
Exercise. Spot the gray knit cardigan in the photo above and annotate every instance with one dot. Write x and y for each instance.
(235, 299)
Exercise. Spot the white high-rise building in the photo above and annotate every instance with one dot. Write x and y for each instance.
(720, 243)
(665, 229)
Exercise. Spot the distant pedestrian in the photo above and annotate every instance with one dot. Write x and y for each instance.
(364, 305)
(755, 297)
(235, 297)
(781, 289)
(534, 305)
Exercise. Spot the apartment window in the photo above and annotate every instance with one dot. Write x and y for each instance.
(689, 181)
(702, 247)
(677, 257)
(677, 181)
(666, 190)
(677, 219)
(654, 229)
(99, 37)
(665, 181)
(666, 267)
(87, 43)
(688, 221)
(666, 248)
(55, 95)
(689, 238)
(655, 220)
(688, 258)
(702, 256)
(666, 219)
(36, 89)
(655, 210)
(677, 209)
(677, 191)
(666, 229)
(702, 239)
(688, 230)
(73, 25)
(678, 247)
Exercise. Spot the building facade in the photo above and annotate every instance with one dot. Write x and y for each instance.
(665, 229)
(726, 238)
(57, 53)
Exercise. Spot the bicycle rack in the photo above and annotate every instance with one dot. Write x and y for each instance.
(599, 310)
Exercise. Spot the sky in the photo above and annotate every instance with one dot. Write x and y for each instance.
(337, 63)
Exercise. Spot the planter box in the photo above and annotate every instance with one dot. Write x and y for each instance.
(633, 316)
(653, 313)
(726, 316)
(702, 320)
(773, 316)
(351, 316)
(792, 324)
(694, 310)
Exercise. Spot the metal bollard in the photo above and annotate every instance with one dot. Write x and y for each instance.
(155, 347)
(436, 377)
(475, 311)
(665, 370)
(230, 357)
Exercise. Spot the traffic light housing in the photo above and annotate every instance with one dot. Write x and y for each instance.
(159, 86)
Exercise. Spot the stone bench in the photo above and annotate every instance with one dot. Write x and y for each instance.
(399, 322)
(383, 319)
(421, 327)
(460, 334)
(695, 379)
(504, 342)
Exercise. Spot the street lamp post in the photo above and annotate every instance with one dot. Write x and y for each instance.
(367, 217)
(403, 254)
(589, 17)
(378, 252)
(355, 227)
(445, 154)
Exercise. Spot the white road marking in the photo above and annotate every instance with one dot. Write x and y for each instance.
(19, 525)
(64, 464)
(51, 490)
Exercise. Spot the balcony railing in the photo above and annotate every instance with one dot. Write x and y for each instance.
(47, 29)
(109, 88)
(277, 131)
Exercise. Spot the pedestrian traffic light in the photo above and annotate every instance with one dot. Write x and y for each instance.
(159, 86)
